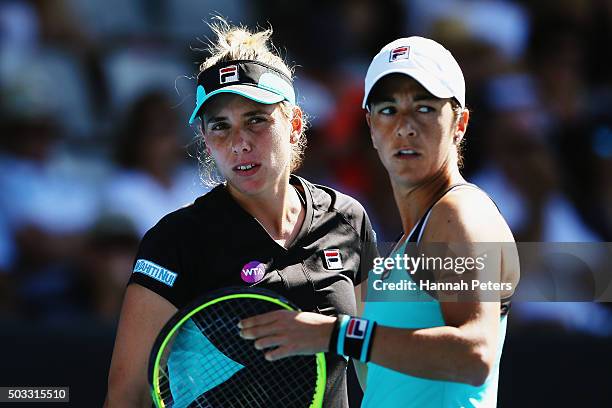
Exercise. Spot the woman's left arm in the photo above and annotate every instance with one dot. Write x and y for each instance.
(462, 351)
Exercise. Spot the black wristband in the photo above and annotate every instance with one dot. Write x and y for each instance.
(354, 337)
(358, 337)
(333, 339)
(369, 345)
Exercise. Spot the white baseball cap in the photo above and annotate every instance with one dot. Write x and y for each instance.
(425, 60)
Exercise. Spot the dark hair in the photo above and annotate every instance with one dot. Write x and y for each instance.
(457, 111)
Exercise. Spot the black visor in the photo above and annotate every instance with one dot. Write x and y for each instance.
(251, 79)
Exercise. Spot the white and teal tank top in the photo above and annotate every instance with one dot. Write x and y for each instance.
(387, 388)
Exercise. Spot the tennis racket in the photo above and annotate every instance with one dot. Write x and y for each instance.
(200, 360)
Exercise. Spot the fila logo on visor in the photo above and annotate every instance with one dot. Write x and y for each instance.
(228, 74)
(332, 259)
(357, 328)
(399, 53)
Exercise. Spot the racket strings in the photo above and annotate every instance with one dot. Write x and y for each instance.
(209, 365)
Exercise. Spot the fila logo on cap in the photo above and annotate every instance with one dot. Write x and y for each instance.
(399, 53)
(333, 259)
(228, 74)
(357, 328)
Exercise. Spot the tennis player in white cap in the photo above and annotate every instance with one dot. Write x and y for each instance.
(422, 349)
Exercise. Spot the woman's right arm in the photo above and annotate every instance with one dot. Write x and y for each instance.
(143, 315)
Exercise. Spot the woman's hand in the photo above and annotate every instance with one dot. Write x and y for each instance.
(292, 333)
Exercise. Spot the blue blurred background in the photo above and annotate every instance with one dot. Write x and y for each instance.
(95, 148)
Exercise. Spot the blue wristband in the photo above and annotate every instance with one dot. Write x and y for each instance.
(344, 319)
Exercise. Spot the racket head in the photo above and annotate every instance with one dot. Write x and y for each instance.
(199, 359)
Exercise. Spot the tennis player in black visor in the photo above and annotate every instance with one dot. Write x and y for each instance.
(260, 226)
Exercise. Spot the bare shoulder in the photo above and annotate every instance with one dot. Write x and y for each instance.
(466, 215)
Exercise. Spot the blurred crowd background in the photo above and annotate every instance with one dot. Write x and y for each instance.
(95, 149)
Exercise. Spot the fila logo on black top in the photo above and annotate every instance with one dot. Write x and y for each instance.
(228, 74)
(333, 259)
(399, 53)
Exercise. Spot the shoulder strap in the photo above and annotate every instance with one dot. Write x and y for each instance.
(417, 232)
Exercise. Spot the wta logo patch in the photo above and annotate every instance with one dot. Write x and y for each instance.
(332, 259)
(228, 74)
(399, 53)
(253, 272)
(153, 270)
(357, 328)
